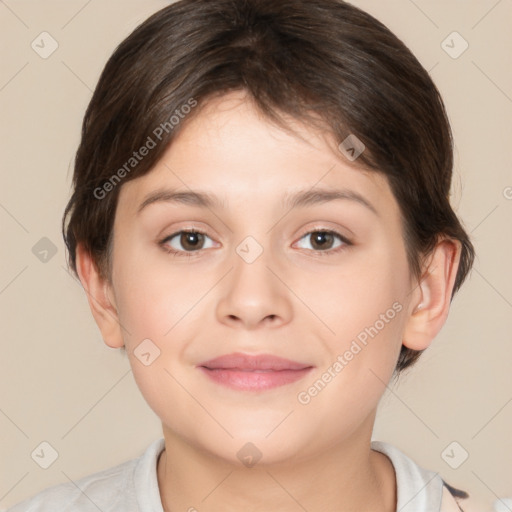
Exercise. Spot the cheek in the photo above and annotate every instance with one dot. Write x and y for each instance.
(152, 296)
(358, 293)
(361, 359)
(363, 308)
(155, 307)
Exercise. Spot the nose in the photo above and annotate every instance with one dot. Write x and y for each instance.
(254, 295)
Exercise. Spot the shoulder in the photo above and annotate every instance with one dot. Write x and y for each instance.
(418, 489)
(105, 490)
(127, 486)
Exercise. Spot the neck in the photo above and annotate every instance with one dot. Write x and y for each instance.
(348, 477)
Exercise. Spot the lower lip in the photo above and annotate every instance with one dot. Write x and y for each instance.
(254, 380)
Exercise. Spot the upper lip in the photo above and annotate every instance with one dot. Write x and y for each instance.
(239, 361)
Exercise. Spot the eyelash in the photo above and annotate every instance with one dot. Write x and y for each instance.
(188, 254)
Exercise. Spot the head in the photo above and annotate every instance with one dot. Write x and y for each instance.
(252, 102)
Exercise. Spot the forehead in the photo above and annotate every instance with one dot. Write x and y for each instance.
(231, 150)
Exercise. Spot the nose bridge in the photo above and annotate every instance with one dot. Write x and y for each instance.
(252, 293)
(251, 263)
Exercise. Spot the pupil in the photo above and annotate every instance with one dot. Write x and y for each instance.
(190, 239)
(320, 238)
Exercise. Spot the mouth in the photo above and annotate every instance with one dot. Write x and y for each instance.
(253, 373)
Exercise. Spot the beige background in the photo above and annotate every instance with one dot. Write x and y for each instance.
(59, 383)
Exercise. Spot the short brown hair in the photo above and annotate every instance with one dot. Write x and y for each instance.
(309, 59)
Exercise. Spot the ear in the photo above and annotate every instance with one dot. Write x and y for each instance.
(101, 298)
(431, 298)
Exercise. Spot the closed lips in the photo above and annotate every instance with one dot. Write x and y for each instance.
(253, 373)
(259, 363)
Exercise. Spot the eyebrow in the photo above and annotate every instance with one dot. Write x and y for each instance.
(299, 199)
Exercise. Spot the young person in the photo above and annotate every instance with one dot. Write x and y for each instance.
(260, 217)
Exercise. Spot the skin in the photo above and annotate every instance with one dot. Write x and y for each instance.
(295, 300)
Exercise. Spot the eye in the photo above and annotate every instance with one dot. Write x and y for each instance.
(323, 241)
(184, 242)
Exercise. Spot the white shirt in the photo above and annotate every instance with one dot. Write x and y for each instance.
(132, 486)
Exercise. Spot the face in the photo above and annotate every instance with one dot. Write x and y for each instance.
(321, 280)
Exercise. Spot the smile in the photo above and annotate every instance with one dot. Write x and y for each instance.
(247, 372)
(254, 380)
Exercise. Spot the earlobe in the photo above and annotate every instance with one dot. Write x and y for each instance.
(431, 299)
(100, 298)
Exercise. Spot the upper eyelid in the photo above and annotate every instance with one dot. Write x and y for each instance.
(345, 239)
